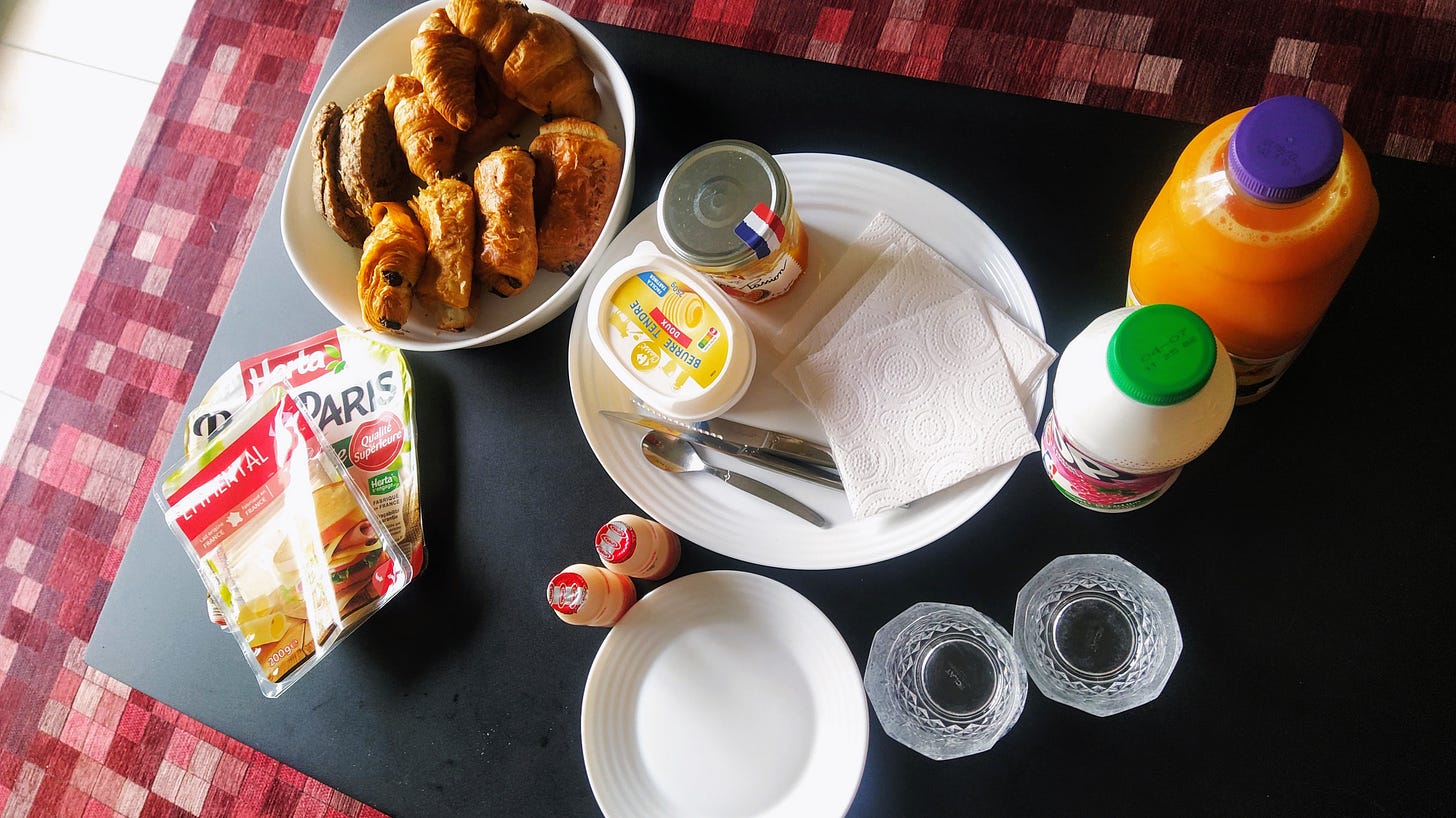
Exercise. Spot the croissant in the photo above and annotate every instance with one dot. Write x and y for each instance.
(446, 210)
(494, 25)
(503, 189)
(533, 57)
(444, 61)
(495, 115)
(429, 142)
(545, 73)
(578, 169)
(394, 254)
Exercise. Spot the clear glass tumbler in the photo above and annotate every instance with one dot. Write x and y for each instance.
(1096, 633)
(945, 680)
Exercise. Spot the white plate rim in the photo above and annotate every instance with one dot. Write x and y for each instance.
(627, 651)
(716, 516)
(301, 224)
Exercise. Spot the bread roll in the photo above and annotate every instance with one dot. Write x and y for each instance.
(329, 197)
(372, 167)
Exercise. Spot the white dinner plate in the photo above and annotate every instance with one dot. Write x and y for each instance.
(329, 266)
(724, 694)
(836, 196)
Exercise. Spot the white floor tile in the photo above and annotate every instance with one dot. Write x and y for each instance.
(9, 416)
(65, 133)
(134, 37)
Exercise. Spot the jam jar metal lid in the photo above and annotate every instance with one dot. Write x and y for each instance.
(708, 194)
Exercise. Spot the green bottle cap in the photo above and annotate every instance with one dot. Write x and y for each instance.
(1161, 354)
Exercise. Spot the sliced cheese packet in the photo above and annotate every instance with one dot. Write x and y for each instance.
(359, 394)
(284, 540)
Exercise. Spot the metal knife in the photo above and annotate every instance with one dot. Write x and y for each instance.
(761, 457)
(752, 438)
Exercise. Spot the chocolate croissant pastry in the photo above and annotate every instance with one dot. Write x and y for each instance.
(533, 57)
(444, 61)
(578, 169)
(428, 140)
(446, 210)
(329, 196)
(394, 256)
(506, 261)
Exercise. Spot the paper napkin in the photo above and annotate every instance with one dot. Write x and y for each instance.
(888, 274)
(918, 405)
(919, 377)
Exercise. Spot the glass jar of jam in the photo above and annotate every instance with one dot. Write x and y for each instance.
(726, 209)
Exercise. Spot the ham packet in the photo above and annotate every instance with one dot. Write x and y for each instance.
(284, 540)
(359, 394)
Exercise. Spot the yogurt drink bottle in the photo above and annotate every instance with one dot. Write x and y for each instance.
(1257, 227)
(1139, 393)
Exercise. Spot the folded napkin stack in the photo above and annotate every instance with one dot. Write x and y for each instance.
(920, 379)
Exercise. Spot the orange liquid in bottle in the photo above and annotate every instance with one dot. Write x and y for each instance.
(1261, 274)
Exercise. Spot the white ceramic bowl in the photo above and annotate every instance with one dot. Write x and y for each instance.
(329, 266)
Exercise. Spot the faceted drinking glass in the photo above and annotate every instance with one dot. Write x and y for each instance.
(945, 680)
(1096, 633)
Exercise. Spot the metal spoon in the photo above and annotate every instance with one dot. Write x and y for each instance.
(677, 455)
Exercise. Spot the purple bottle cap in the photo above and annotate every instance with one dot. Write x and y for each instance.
(1285, 148)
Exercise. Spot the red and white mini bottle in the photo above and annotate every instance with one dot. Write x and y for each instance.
(1138, 394)
(588, 595)
(638, 547)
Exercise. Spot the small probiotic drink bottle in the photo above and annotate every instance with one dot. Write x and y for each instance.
(590, 595)
(1139, 393)
(638, 547)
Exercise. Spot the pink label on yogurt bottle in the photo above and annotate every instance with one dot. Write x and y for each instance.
(1093, 484)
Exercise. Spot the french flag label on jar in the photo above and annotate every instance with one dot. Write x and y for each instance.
(762, 230)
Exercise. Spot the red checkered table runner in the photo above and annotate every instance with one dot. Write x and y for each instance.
(122, 362)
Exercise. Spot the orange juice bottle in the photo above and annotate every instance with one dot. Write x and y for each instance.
(1256, 229)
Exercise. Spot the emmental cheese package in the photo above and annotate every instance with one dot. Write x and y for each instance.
(671, 336)
(359, 394)
(283, 539)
